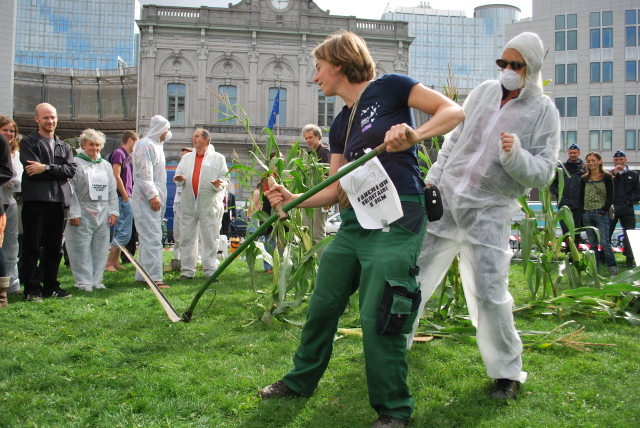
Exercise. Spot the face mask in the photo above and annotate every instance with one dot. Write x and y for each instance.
(168, 136)
(510, 79)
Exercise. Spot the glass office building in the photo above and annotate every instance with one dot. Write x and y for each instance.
(448, 43)
(76, 34)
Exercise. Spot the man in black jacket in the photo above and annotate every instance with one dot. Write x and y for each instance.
(48, 165)
(626, 193)
(573, 169)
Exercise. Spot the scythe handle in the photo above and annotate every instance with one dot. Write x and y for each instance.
(186, 317)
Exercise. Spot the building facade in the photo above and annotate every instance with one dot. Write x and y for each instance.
(248, 52)
(7, 49)
(452, 49)
(593, 64)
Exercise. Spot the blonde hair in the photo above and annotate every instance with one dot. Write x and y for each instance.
(348, 50)
(92, 135)
(15, 141)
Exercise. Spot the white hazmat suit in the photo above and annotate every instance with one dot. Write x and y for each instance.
(92, 202)
(201, 216)
(149, 181)
(480, 183)
(10, 243)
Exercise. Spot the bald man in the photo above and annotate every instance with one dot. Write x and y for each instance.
(46, 193)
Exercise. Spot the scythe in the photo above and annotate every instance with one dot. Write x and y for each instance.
(280, 213)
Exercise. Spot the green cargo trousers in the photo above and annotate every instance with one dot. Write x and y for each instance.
(367, 260)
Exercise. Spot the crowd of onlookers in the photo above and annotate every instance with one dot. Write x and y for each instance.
(53, 198)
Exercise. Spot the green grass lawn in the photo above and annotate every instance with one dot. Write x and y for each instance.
(111, 358)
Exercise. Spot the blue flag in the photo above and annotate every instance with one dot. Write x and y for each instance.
(275, 111)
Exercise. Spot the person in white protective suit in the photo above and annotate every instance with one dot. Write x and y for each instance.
(150, 197)
(177, 214)
(508, 144)
(93, 210)
(201, 174)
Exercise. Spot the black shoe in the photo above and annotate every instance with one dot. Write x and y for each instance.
(33, 297)
(278, 389)
(59, 293)
(386, 421)
(630, 262)
(505, 389)
(185, 278)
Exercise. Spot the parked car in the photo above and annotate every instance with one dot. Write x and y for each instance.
(333, 224)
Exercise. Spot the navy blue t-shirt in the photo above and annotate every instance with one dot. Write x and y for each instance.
(382, 105)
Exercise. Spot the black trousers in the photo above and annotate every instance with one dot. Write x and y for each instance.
(43, 224)
(626, 222)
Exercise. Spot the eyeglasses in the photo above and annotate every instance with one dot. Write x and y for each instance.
(516, 65)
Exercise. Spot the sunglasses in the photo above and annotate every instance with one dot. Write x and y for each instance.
(516, 65)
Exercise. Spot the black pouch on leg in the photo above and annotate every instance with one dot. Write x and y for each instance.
(433, 203)
(398, 307)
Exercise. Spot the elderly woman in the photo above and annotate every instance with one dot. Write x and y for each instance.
(507, 144)
(378, 258)
(9, 129)
(94, 209)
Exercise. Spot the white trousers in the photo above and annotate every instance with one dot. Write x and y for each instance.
(149, 227)
(196, 227)
(88, 249)
(484, 271)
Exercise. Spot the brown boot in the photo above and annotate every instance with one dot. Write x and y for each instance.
(4, 286)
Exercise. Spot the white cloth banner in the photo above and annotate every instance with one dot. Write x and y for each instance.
(98, 184)
(373, 196)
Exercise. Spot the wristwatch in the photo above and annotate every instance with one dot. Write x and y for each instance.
(47, 167)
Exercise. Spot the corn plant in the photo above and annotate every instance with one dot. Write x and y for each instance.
(294, 258)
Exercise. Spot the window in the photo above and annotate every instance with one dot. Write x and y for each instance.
(607, 71)
(606, 140)
(566, 40)
(607, 18)
(572, 138)
(572, 107)
(595, 72)
(594, 19)
(325, 109)
(560, 105)
(630, 139)
(607, 37)
(630, 105)
(594, 106)
(595, 38)
(631, 31)
(224, 112)
(630, 36)
(282, 115)
(560, 40)
(630, 71)
(560, 74)
(607, 105)
(572, 73)
(594, 140)
(175, 103)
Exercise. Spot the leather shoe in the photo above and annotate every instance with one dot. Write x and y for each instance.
(184, 278)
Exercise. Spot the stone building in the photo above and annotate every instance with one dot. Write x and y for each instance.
(247, 51)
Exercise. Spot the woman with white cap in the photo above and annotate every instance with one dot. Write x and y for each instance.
(508, 144)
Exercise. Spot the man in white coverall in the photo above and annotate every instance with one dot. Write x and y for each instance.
(150, 196)
(201, 174)
(507, 144)
(93, 210)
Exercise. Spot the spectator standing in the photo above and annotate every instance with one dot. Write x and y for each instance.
(201, 174)
(229, 214)
(120, 161)
(5, 175)
(573, 170)
(46, 194)
(150, 197)
(626, 193)
(10, 246)
(94, 209)
(596, 197)
(313, 137)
